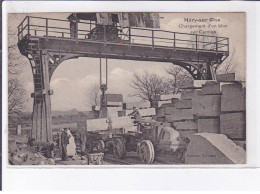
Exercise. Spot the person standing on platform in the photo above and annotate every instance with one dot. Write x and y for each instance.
(64, 142)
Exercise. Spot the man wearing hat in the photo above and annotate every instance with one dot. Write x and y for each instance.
(64, 142)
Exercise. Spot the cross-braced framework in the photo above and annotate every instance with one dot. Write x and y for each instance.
(48, 42)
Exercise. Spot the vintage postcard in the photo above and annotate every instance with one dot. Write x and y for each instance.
(126, 88)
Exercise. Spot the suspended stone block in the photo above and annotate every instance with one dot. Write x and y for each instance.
(211, 88)
(209, 125)
(186, 125)
(233, 125)
(233, 98)
(183, 104)
(206, 106)
(211, 148)
(226, 77)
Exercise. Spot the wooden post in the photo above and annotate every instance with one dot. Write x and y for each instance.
(196, 42)
(216, 44)
(129, 36)
(152, 38)
(174, 41)
(105, 38)
(28, 26)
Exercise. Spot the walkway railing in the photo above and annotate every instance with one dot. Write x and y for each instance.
(47, 27)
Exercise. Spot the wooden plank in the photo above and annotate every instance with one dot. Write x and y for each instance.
(183, 104)
(206, 106)
(233, 125)
(211, 88)
(208, 125)
(226, 77)
(186, 125)
(233, 98)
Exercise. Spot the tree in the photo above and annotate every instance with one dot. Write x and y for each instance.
(16, 92)
(92, 95)
(178, 75)
(149, 85)
(16, 96)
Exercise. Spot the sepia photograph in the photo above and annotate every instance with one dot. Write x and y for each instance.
(126, 88)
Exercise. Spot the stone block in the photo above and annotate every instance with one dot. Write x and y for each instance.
(187, 94)
(226, 77)
(211, 88)
(114, 97)
(209, 125)
(169, 96)
(169, 118)
(194, 84)
(206, 106)
(147, 112)
(131, 105)
(183, 114)
(233, 125)
(186, 125)
(170, 110)
(187, 133)
(160, 112)
(233, 98)
(183, 104)
(240, 143)
(211, 148)
(162, 103)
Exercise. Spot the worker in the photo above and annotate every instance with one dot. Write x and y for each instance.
(137, 117)
(64, 142)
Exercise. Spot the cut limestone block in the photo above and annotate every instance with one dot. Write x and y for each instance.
(97, 124)
(187, 133)
(233, 98)
(233, 125)
(114, 104)
(170, 110)
(161, 103)
(12, 145)
(211, 88)
(226, 77)
(131, 105)
(169, 118)
(167, 105)
(183, 114)
(206, 106)
(186, 125)
(160, 112)
(169, 97)
(208, 125)
(113, 111)
(183, 104)
(240, 143)
(194, 84)
(122, 122)
(147, 112)
(187, 94)
(210, 148)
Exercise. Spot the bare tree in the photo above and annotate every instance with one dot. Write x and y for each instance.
(149, 85)
(16, 92)
(92, 95)
(16, 96)
(178, 75)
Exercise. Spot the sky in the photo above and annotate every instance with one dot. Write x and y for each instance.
(73, 78)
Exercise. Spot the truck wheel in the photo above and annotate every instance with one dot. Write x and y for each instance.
(100, 145)
(146, 152)
(119, 148)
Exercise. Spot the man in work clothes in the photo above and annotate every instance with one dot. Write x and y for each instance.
(64, 142)
(137, 117)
